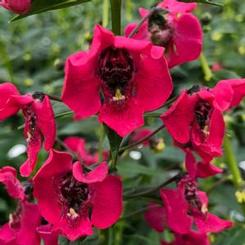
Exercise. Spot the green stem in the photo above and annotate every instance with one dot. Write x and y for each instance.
(208, 74)
(101, 142)
(127, 147)
(154, 189)
(105, 15)
(116, 16)
(232, 163)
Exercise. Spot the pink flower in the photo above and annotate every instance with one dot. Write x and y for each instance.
(19, 230)
(172, 31)
(186, 210)
(73, 206)
(12, 184)
(39, 121)
(46, 233)
(115, 79)
(175, 7)
(199, 169)
(155, 216)
(191, 238)
(78, 146)
(217, 67)
(195, 120)
(17, 6)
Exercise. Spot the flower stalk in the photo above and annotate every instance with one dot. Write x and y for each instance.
(232, 165)
(208, 75)
(116, 16)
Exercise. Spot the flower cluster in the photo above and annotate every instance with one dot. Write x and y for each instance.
(118, 79)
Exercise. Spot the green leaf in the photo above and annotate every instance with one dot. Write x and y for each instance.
(114, 141)
(203, 1)
(40, 6)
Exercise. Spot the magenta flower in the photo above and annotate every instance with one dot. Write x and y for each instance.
(195, 120)
(17, 6)
(19, 230)
(73, 206)
(155, 217)
(191, 238)
(115, 79)
(48, 236)
(87, 157)
(186, 210)
(200, 169)
(171, 30)
(39, 121)
(12, 184)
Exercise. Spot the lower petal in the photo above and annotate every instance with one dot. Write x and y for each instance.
(107, 202)
(123, 119)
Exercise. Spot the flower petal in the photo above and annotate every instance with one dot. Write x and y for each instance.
(176, 211)
(49, 237)
(12, 184)
(96, 175)
(122, 119)
(179, 116)
(155, 217)
(45, 190)
(107, 202)
(152, 89)
(45, 121)
(33, 148)
(81, 86)
(7, 109)
(187, 42)
(175, 7)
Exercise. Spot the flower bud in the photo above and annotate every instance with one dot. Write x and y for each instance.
(17, 6)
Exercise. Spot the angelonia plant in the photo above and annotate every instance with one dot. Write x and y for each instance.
(120, 78)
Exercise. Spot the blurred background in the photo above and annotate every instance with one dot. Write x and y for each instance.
(32, 55)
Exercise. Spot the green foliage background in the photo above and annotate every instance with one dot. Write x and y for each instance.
(32, 54)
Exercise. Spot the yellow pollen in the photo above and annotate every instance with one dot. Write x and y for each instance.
(118, 95)
(28, 137)
(11, 219)
(206, 130)
(204, 209)
(160, 145)
(240, 196)
(72, 213)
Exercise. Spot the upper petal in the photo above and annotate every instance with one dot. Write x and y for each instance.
(96, 175)
(175, 7)
(187, 42)
(238, 87)
(7, 90)
(81, 85)
(178, 118)
(152, 88)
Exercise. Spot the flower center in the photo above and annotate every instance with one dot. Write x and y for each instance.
(196, 207)
(15, 218)
(72, 195)
(160, 31)
(202, 114)
(115, 69)
(30, 123)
